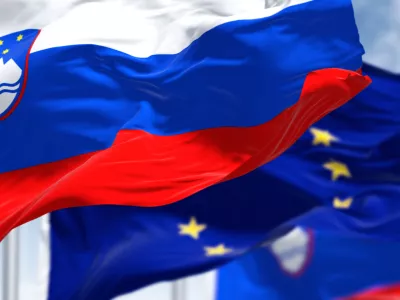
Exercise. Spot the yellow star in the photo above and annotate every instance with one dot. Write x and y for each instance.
(323, 137)
(342, 204)
(1, 42)
(192, 229)
(5, 51)
(19, 38)
(338, 169)
(217, 250)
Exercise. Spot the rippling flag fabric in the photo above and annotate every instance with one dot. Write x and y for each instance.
(354, 163)
(314, 265)
(106, 251)
(356, 242)
(148, 102)
(110, 250)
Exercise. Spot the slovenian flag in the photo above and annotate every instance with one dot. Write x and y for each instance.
(145, 103)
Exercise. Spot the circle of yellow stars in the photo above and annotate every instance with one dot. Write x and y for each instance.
(193, 229)
(18, 39)
(338, 169)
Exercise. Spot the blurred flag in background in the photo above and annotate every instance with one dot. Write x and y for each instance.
(314, 265)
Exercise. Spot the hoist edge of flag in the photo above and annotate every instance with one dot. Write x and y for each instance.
(142, 169)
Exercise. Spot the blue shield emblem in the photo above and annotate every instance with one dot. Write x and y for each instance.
(14, 58)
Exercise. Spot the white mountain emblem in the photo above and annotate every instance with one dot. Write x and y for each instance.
(10, 75)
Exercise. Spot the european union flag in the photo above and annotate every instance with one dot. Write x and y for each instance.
(353, 164)
(346, 165)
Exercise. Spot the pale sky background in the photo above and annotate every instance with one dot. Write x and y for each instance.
(379, 25)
